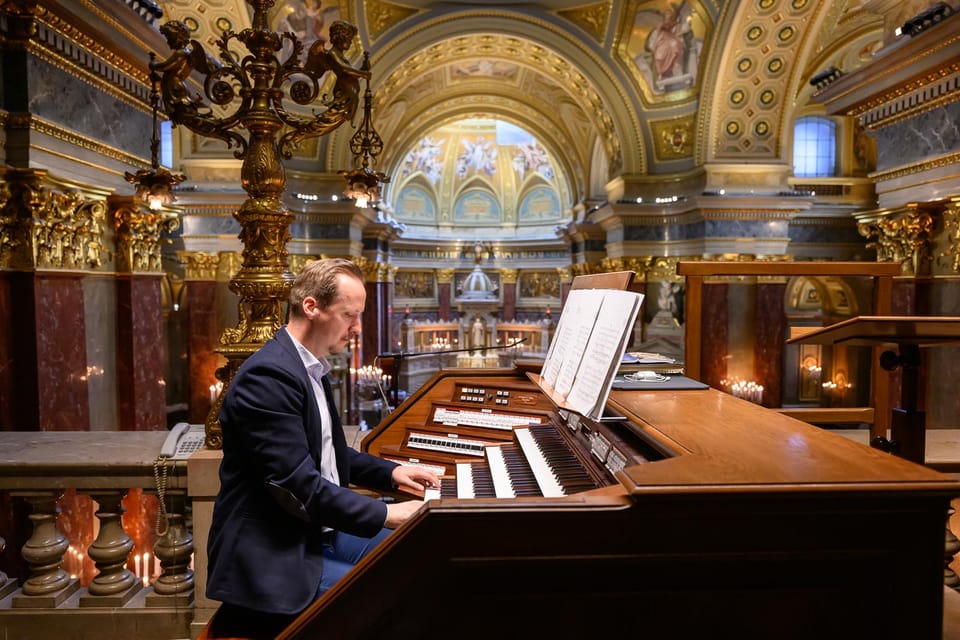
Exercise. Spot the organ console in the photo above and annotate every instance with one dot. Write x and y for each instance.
(679, 513)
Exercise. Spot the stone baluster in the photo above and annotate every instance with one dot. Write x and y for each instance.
(951, 548)
(48, 585)
(114, 584)
(7, 584)
(174, 549)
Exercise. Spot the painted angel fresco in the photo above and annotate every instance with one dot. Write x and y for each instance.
(666, 47)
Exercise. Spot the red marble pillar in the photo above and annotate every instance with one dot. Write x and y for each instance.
(203, 339)
(444, 286)
(141, 393)
(713, 351)
(508, 280)
(44, 356)
(376, 338)
(141, 390)
(7, 346)
(771, 329)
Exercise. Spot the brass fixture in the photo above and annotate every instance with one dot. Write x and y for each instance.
(363, 181)
(250, 92)
(154, 186)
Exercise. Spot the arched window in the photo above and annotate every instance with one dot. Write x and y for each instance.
(814, 147)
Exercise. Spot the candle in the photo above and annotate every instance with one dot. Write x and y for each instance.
(136, 565)
(146, 565)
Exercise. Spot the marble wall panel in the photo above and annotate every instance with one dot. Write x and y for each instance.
(745, 229)
(315, 231)
(100, 319)
(61, 98)
(825, 234)
(663, 232)
(929, 134)
(940, 370)
(63, 398)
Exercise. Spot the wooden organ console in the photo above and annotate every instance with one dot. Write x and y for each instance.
(680, 514)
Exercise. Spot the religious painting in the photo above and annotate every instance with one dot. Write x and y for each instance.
(476, 207)
(663, 44)
(478, 156)
(414, 285)
(483, 68)
(426, 158)
(308, 20)
(541, 203)
(414, 204)
(538, 285)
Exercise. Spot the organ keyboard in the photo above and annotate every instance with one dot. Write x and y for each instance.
(504, 439)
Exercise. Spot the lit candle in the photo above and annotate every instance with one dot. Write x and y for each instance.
(136, 565)
(213, 394)
(146, 565)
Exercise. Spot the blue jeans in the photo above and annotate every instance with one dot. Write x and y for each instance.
(342, 552)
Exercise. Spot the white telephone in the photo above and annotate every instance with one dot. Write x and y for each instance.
(182, 441)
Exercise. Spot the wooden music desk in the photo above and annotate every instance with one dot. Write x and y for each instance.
(908, 333)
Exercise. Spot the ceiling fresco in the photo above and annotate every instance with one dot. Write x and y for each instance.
(614, 91)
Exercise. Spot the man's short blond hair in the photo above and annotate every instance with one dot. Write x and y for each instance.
(318, 280)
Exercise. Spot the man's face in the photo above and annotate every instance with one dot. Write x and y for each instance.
(338, 323)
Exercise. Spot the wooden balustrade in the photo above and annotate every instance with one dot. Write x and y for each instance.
(36, 469)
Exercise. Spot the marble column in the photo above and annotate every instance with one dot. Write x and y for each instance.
(566, 279)
(141, 391)
(713, 352)
(770, 327)
(376, 338)
(200, 280)
(53, 237)
(444, 285)
(508, 280)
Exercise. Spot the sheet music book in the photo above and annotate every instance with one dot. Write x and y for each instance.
(588, 345)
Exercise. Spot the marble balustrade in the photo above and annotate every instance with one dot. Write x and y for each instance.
(37, 469)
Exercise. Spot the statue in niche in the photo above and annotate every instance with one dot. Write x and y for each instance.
(477, 334)
(667, 297)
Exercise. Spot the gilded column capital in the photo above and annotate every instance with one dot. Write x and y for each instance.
(566, 275)
(609, 265)
(664, 269)
(43, 228)
(951, 228)
(374, 272)
(509, 276)
(228, 264)
(903, 236)
(445, 276)
(139, 234)
(199, 265)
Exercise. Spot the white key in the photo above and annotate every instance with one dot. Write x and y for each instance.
(501, 477)
(464, 480)
(546, 479)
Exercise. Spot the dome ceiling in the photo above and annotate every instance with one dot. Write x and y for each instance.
(612, 89)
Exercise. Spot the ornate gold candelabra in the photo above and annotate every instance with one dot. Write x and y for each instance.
(248, 92)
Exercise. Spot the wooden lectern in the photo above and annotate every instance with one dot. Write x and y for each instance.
(908, 333)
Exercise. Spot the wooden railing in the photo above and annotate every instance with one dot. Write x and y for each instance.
(36, 471)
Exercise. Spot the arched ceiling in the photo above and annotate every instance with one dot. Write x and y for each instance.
(588, 79)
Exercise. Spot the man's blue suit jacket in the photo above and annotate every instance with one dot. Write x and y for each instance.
(264, 546)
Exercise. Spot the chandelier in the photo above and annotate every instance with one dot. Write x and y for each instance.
(363, 181)
(154, 186)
